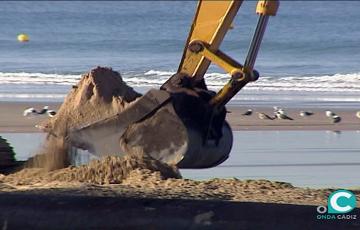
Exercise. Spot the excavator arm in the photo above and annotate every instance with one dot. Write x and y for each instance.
(212, 21)
(183, 123)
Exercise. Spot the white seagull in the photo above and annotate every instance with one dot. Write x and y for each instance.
(264, 116)
(306, 113)
(330, 113)
(51, 113)
(336, 119)
(279, 110)
(29, 111)
(276, 108)
(282, 116)
(358, 114)
(247, 113)
(44, 110)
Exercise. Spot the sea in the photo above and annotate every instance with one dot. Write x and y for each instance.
(310, 55)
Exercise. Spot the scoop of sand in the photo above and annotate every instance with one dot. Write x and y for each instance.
(99, 93)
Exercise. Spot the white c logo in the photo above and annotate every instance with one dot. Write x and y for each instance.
(334, 205)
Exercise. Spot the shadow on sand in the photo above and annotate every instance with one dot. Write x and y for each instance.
(33, 211)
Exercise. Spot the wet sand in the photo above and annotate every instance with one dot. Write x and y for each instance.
(318, 121)
(12, 119)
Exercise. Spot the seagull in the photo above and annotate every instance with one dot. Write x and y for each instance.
(306, 113)
(29, 111)
(358, 114)
(282, 116)
(247, 113)
(336, 119)
(276, 108)
(44, 110)
(51, 113)
(279, 110)
(264, 116)
(330, 114)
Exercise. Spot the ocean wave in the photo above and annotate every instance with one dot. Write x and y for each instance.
(159, 73)
(323, 83)
(31, 96)
(38, 78)
(155, 78)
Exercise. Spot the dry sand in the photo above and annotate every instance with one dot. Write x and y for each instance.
(143, 193)
(109, 170)
(138, 176)
(115, 177)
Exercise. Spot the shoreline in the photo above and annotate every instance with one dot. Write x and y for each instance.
(13, 121)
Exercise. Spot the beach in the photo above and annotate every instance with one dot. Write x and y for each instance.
(90, 60)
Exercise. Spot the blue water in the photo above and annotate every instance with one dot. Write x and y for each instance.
(303, 158)
(310, 47)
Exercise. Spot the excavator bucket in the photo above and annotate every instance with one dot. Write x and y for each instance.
(151, 126)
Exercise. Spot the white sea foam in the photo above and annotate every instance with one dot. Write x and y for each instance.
(31, 96)
(38, 78)
(153, 78)
(325, 83)
(159, 73)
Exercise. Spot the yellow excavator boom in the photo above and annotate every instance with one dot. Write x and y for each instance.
(212, 20)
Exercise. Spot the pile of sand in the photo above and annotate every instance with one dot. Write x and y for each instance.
(100, 93)
(147, 179)
(109, 170)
